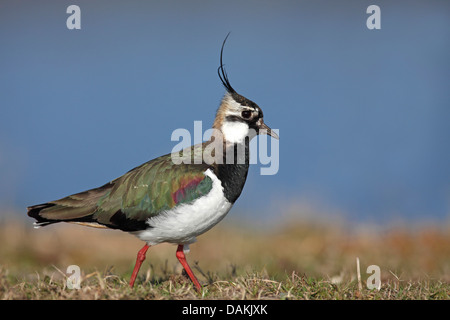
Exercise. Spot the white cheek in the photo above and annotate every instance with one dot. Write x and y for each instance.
(235, 132)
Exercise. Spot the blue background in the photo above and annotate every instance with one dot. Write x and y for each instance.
(363, 114)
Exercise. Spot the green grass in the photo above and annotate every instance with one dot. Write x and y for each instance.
(253, 286)
(306, 261)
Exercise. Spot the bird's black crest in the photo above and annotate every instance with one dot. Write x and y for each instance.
(222, 73)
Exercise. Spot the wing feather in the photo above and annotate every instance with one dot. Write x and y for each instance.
(128, 201)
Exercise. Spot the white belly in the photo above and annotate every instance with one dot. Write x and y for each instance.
(183, 223)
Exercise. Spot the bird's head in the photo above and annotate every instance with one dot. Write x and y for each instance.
(237, 116)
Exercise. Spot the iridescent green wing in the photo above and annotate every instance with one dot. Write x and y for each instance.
(148, 190)
(128, 201)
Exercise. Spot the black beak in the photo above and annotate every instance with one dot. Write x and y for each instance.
(264, 129)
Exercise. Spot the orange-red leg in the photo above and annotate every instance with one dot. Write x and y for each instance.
(182, 258)
(140, 258)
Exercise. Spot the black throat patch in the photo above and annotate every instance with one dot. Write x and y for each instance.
(233, 174)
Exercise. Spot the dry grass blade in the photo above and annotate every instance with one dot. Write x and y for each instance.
(294, 264)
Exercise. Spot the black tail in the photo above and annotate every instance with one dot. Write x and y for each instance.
(34, 212)
(78, 207)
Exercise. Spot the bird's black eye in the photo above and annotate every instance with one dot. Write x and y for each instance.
(246, 114)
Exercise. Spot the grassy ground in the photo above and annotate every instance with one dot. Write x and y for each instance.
(297, 261)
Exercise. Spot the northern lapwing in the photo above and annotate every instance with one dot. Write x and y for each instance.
(170, 201)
